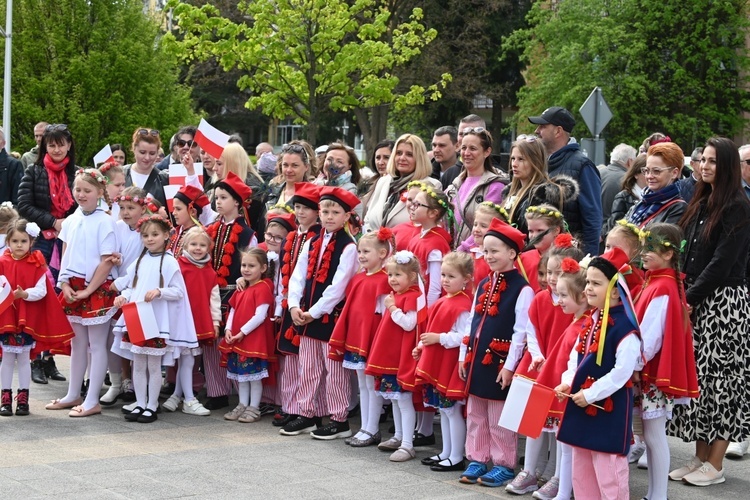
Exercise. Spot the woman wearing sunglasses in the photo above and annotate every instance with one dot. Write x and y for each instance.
(296, 164)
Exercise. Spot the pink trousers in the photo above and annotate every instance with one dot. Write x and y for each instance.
(600, 475)
(485, 440)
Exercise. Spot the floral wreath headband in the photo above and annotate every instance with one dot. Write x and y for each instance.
(652, 243)
(133, 199)
(105, 167)
(415, 184)
(425, 188)
(638, 231)
(497, 208)
(153, 218)
(545, 211)
(284, 207)
(96, 174)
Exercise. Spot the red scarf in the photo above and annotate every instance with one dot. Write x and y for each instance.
(59, 192)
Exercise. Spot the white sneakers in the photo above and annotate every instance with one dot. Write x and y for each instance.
(194, 407)
(737, 450)
(171, 403)
(706, 475)
(637, 450)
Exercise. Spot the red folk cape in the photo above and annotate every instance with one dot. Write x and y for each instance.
(529, 261)
(549, 321)
(356, 326)
(42, 319)
(438, 366)
(260, 342)
(390, 353)
(673, 369)
(481, 269)
(634, 280)
(557, 360)
(436, 238)
(403, 233)
(199, 282)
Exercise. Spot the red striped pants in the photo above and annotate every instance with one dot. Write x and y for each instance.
(325, 385)
(600, 475)
(485, 440)
(289, 383)
(217, 383)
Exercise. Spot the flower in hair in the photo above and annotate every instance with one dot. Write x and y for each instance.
(96, 174)
(584, 262)
(135, 199)
(272, 255)
(545, 211)
(403, 257)
(564, 240)
(32, 229)
(105, 167)
(152, 218)
(282, 206)
(570, 266)
(385, 234)
(636, 230)
(6, 204)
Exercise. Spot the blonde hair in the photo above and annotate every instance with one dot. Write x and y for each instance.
(194, 233)
(493, 210)
(547, 213)
(7, 215)
(422, 168)
(628, 231)
(372, 238)
(238, 162)
(409, 267)
(461, 261)
(91, 175)
(576, 282)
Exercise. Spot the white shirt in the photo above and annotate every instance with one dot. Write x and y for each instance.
(87, 238)
(261, 313)
(38, 291)
(138, 180)
(532, 343)
(652, 328)
(336, 291)
(454, 337)
(434, 289)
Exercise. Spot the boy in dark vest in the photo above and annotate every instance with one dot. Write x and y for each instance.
(317, 290)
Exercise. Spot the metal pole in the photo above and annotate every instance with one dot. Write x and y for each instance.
(7, 76)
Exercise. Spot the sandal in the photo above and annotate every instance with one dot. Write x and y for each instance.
(251, 414)
(78, 411)
(57, 404)
(370, 441)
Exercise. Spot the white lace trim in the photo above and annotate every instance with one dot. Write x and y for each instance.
(395, 395)
(151, 351)
(98, 320)
(18, 349)
(177, 352)
(658, 413)
(354, 366)
(248, 377)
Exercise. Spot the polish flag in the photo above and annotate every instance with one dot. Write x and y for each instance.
(178, 174)
(140, 321)
(421, 302)
(170, 192)
(211, 139)
(103, 156)
(526, 407)
(6, 294)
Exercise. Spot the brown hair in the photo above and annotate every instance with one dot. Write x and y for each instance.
(261, 256)
(151, 136)
(19, 226)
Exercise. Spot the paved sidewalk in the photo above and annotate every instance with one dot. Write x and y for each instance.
(49, 454)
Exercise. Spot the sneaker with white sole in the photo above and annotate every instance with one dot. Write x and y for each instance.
(524, 482)
(549, 490)
(637, 450)
(706, 475)
(333, 430)
(737, 450)
(693, 465)
(171, 403)
(643, 461)
(194, 407)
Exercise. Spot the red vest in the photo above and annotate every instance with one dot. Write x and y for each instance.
(549, 321)
(199, 282)
(529, 261)
(260, 342)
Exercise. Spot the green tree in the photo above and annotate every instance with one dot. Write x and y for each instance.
(302, 57)
(665, 65)
(96, 65)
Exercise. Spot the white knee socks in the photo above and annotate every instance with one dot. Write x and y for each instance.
(147, 380)
(453, 431)
(374, 406)
(244, 389)
(79, 357)
(154, 382)
(184, 379)
(97, 335)
(408, 418)
(6, 369)
(657, 448)
(256, 392)
(565, 474)
(531, 454)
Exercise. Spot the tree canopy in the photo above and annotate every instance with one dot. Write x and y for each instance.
(668, 65)
(96, 65)
(300, 58)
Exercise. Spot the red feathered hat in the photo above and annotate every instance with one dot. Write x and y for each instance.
(341, 196)
(507, 233)
(307, 194)
(286, 220)
(192, 195)
(237, 188)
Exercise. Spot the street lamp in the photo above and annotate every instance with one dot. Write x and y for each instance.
(7, 34)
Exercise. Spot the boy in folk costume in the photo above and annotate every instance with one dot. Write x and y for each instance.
(316, 297)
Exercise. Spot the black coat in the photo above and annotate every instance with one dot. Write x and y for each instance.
(11, 171)
(34, 202)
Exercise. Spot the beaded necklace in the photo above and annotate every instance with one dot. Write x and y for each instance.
(225, 236)
(489, 300)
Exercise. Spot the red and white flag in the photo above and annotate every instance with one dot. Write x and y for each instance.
(103, 156)
(211, 139)
(526, 407)
(169, 192)
(140, 321)
(6, 294)
(178, 173)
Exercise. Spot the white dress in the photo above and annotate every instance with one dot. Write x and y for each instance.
(172, 309)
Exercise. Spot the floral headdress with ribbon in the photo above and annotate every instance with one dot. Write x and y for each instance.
(500, 211)
(652, 242)
(95, 173)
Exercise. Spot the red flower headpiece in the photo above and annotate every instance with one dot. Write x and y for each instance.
(385, 234)
(134, 199)
(570, 266)
(153, 218)
(564, 240)
(104, 168)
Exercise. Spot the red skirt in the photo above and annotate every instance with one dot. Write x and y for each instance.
(94, 310)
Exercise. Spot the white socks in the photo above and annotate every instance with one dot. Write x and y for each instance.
(405, 407)
(425, 423)
(374, 406)
(147, 380)
(565, 474)
(244, 390)
(657, 449)
(531, 454)
(8, 365)
(183, 383)
(453, 430)
(256, 392)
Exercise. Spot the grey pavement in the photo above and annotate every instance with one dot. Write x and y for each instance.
(49, 454)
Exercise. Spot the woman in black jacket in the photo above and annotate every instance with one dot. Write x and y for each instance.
(717, 234)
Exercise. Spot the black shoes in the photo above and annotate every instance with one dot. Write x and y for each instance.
(216, 403)
(133, 415)
(22, 402)
(283, 419)
(422, 440)
(6, 403)
(448, 468)
(300, 425)
(333, 430)
(51, 371)
(147, 416)
(37, 372)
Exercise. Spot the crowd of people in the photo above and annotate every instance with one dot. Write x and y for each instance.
(313, 286)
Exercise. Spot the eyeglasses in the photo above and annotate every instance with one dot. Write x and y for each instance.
(527, 138)
(295, 149)
(472, 130)
(148, 131)
(416, 204)
(182, 143)
(56, 127)
(654, 171)
(271, 237)
(746, 162)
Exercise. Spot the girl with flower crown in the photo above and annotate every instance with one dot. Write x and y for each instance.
(352, 336)
(35, 320)
(390, 360)
(483, 217)
(544, 224)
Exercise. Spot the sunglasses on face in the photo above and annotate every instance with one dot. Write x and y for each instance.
(182, 143)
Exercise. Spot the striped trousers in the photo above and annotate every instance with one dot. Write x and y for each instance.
(289, 383)
(217, 383)
(485, 440)
(325, 385)
(600, 475)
